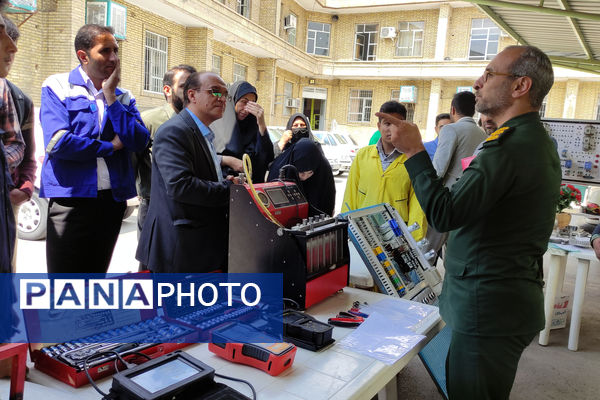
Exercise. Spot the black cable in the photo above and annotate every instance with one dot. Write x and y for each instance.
(239, 380)
(283, 174)
(141, 354)
(292, 301)
(87, 372)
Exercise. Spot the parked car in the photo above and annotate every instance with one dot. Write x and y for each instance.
(340, 153)
(332, 155)
(347, 143)
(33, 214)
(275, 133)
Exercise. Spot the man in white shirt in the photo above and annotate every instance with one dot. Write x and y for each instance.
(91, 127)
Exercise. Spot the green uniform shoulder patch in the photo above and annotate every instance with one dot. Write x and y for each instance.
(496, 136)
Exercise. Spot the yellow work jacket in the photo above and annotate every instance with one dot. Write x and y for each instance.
(368, 185)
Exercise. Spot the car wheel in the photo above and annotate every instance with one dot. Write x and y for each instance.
(128, 211)
(32, 219)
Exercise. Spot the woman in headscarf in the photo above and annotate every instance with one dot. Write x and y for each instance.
(243, 130)
(314, 173)
(298, 126)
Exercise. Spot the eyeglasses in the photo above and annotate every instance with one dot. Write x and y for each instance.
(487, 74)
(216, 93)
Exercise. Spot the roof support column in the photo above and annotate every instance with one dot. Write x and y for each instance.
(442, 31)
(433, 109)
(265, 86)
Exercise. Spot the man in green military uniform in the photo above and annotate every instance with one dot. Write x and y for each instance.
(500, 214)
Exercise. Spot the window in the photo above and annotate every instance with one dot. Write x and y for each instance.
(410, 39)
(118, 20)
(288, 88)
(239, 72)
(484, 39)
(410, 107)
(155, 62)
(360, 105)
(243, 8)
(365, 42)
(291, 36)
(216, 65)
(318, 38)
(107, 13)
(410, 111)
(96, 13)
(543, 107)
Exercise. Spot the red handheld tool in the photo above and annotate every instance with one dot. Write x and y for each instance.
(346, 320)
(273, 358)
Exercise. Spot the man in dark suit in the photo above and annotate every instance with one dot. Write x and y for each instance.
(186, 226)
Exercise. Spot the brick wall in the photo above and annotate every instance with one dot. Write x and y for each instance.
(345, 29)
(556, 100)
(229, 56)
(46, 47)
(587, 100)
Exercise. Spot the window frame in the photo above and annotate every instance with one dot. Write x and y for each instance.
(410, 107)
(154, 79)
(220, 62)
(487, 56)
(365, 117)
(243, 8)
(413, 39)
(310, 30)
(371, 38)
(288, 93)
(236, 75)
(543, 107)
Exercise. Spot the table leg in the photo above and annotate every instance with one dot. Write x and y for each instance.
(561, 275)
(390, 391)
(583, 267)
(555, 271)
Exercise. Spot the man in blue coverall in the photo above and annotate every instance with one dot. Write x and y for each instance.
(91, 127)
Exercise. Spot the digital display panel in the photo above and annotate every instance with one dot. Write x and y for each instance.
(277, 196)
(165, 375)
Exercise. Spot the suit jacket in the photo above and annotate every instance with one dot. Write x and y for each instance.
(186, 229)
(142, 161)
(456, 141)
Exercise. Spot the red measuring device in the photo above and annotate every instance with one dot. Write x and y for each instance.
(273, 358)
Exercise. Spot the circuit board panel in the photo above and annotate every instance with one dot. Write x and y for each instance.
(578, 145)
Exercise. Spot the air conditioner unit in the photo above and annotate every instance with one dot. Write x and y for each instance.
(289, 22)
(292, 103)
(388, 32)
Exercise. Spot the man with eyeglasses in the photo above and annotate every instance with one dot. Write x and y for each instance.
(500, 214)
(186, 229)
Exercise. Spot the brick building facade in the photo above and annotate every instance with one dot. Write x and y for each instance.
(334, 65)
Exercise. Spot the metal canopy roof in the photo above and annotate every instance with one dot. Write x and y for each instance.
(567, 30)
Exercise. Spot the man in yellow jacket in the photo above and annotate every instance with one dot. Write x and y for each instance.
(378, 176)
